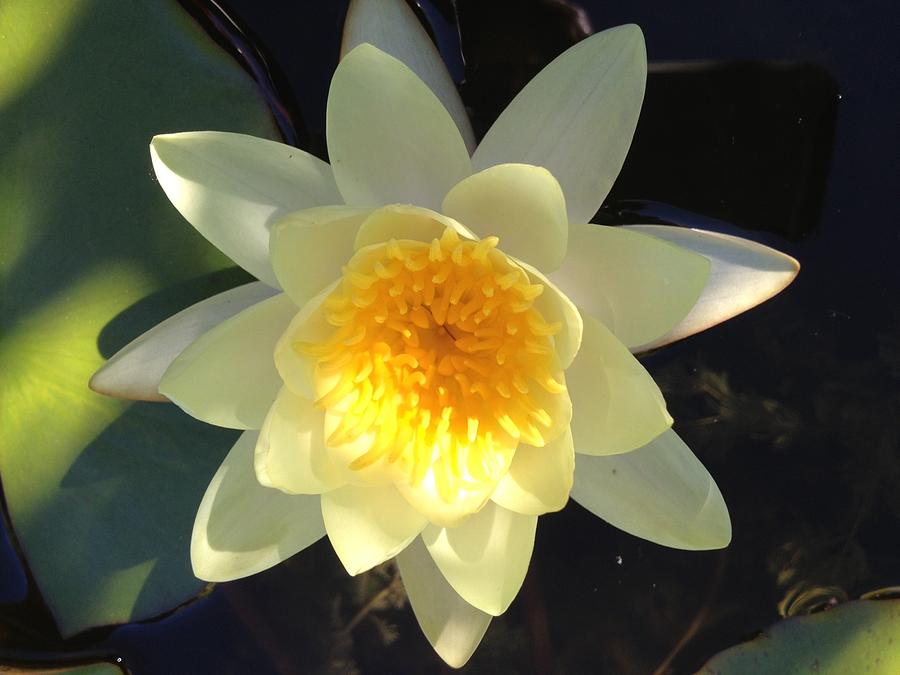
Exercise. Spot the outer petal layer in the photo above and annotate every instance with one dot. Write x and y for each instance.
(638, 286)
(368, 525)
(392, 26)
(309, 247)
(576, 118)
(232, 188)
(485, 558)
(743, 274)
(291, 453)
(134, 372)
(242, 527)
(453, 627)
(227, 377)
(617, 406)
(660, 492)
(521, 204)
(389, 137)
(539, 479)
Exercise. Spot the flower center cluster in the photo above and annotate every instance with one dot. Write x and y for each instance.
(437, 358)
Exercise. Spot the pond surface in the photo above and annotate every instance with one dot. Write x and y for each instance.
(774, 120)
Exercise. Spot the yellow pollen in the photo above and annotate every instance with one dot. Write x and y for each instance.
(436, 350)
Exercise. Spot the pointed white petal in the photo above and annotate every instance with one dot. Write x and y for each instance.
(291, 453)
(389, 138)
(242, 527)
(521, 204)
(660, 492)
(617, 406)
(743, 275)
(368, 525)
(232, 187)
(486, 557)
(637, 285)
(227, 377)
(453, 627)
(309, 247)
(134, 372)
(539, 479)
(576, 118)
(392, 26)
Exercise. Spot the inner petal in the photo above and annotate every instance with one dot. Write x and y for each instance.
(438, 363)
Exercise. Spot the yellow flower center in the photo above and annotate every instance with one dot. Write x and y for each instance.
(436, 358)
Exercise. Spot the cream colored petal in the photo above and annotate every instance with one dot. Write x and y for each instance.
(403, 221)
(660, 492)
(521, 204)
(309, 247)
(425, 499)
(242, 527)
(617, 406)
(134, 372)
(638, 286)
(453, 627)
(555, 305)
(232, 188)
(291, 453)
(308, 325)
(539, 479)
(392, 26)
(389, 138)
(743, 275)
(576, 118)
(486, 557)
(227, 376)
(368, 525)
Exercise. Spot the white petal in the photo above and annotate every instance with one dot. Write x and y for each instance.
(743, 275)
(242, 527)
(134, 372)
(521, 204)
(660, 492)
(291, 453)
(576, 118)
(309, 247)
(389, 138)
(453, 627)
(392, 26)
(227, 377)
(486, 557)
(232, 188)
(404, 221)
(637, 285)
(368, 525)
(539, 479)
(617, 406)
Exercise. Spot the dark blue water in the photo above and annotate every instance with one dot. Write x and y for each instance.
(776, 120)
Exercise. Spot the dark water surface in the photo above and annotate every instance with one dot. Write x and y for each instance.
(776, 120)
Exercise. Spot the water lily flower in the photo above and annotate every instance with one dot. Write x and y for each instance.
(439, 349)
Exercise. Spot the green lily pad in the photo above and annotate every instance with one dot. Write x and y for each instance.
(84, 669)
(102, 493)
(856, 637)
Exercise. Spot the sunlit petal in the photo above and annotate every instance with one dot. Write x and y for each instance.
(743, 274)
(227, 376)
(368, 525)
(521, 204)
(660, 492)
(486, 557)
(638, 286)
(392, 26)
(539, 479)
(453, 626)
(135, 371)
(232, 188)
(389, 138)
(617, 406)
(403, 221)
(576, 118)
(242, 527)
